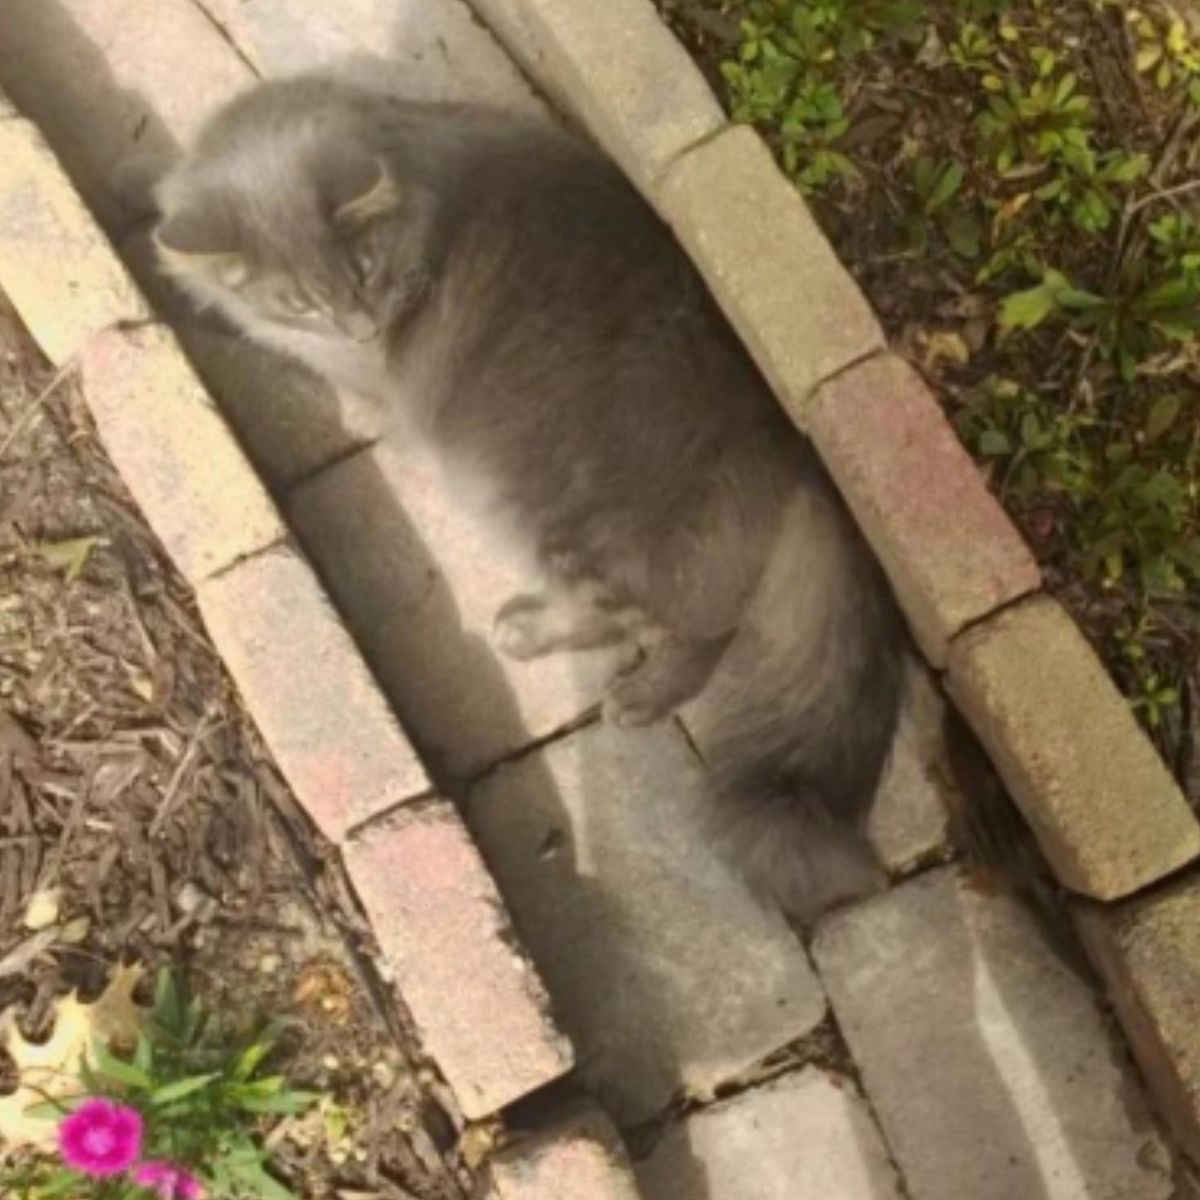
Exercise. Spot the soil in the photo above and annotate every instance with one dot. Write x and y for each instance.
(900, 106)
(134, 787)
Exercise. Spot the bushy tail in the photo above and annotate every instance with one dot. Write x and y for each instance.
(798, 720)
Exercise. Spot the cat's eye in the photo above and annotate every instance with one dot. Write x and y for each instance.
(297, 304)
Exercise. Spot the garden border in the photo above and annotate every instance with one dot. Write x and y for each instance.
(1106, 812)
(446, 939)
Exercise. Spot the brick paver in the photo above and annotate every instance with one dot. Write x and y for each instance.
(807, 1136)
(55, 264)
(478, 1004)
(770, 267)
(950, 551)
(666, 974)
(322, 715)
(579, 1158)
(1104, 807)
(987, 1059)
(175, 452)
(617, 68)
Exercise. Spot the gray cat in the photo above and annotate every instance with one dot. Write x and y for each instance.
(513, 301)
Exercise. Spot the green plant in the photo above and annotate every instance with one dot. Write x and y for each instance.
(200, 1099)
(783, 75)
(1025, 125)
(1008, 145)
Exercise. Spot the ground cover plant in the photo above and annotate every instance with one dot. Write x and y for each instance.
(1015, 185)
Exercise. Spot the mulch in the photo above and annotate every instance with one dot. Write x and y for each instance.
(138, 805)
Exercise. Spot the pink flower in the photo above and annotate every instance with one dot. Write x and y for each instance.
(101, 1138)
(168, 1180)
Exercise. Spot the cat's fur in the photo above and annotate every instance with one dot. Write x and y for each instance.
(512, 298)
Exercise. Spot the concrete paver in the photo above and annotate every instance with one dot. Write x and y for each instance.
(807, 1136)
(909, 819)
(433, 49)
(664, 971)
(988, 1061)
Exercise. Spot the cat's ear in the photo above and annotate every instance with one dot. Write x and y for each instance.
(356, 188)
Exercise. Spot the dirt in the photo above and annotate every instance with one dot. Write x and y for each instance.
(134, 786)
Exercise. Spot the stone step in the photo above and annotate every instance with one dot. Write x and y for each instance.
(987, 1058)
(806, 1136)
(665, 973)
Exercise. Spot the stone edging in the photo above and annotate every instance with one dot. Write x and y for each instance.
(479, 1007)
(1106, 812)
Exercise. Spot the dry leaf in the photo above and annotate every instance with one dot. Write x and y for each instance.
(42, 910)
(70, 556)
(50, 1069)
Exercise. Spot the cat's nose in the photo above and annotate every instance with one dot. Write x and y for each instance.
(360, 326)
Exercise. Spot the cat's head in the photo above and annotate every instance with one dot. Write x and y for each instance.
(301, 241)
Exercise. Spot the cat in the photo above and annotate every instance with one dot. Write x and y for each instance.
(513, 300)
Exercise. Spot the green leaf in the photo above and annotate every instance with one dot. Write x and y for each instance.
(946, 186)
(1125, 168)
(994, 442)
(1078, 300)
(117, 1069)
(248, 1173)
(182, 1087)
(1187, 555)
(1027, 309)
(143, 1055)
(1162, 416)
(964, 233)
(70, 556)
(289, 1103)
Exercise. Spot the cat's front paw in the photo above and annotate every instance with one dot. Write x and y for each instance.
(520, 629)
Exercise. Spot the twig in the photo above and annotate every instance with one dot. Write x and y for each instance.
(27, 414)
(1189, 186)
(200, 731)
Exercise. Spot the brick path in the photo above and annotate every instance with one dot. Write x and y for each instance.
(934, 1045)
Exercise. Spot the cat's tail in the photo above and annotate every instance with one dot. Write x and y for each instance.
(797, 722)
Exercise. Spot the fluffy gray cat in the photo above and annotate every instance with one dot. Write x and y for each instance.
(515, 303)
